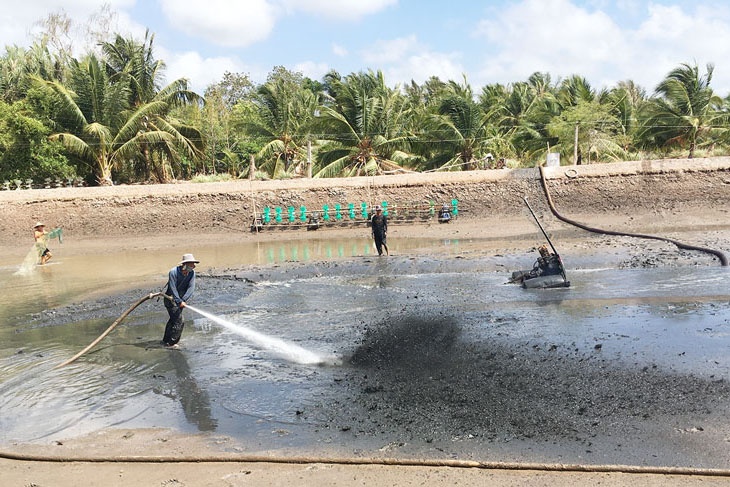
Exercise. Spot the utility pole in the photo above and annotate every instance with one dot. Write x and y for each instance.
(575, 145)
(309, 159)
(252, 168)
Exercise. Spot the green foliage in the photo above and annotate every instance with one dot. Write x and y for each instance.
(684, 113)
(210, 178)
(598, 132)
(279, 116)
(107, 115)
(369, 121)
(108, 129)
(25, 151)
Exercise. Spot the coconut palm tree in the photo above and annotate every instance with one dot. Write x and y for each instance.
(459, 131)
(363, 123)
(128, 59)
(133, 62)
(683, 112)
(284, 111)
(627, 100)
(522, 111)
(98, 126)
(18, 65)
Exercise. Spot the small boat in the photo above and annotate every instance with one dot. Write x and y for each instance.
(548, 272)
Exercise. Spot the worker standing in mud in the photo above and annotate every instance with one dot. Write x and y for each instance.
(379, 227)
(180, 288)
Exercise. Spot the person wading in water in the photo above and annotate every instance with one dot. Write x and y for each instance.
(41, 242)
(180, 286)
(379, 224)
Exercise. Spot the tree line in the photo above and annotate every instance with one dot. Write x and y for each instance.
(108, 116)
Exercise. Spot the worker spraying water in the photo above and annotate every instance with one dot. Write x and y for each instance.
(179, 289)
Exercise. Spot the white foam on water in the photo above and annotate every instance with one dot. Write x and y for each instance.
(288, 351)
(29, 263)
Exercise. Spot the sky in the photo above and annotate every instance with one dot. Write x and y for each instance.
(482, 41)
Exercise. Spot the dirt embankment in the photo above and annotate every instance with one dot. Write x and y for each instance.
(661, 195)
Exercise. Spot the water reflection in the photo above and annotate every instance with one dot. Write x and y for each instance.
(70, 277)
(194, 400)
(313, 251)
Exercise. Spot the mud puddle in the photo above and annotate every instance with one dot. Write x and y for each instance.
(440, 358)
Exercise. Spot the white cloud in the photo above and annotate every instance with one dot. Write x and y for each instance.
(552, 36)
(422, 66)
(340, 9)
(339, 50)
(201, 72)
(311, 69)
(562, 39)
(383, 52)
(671, 36)
(405, 59)
(222, 22)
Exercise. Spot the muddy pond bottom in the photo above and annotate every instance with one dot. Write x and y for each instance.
(423, 357)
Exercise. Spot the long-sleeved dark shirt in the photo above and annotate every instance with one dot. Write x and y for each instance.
(180, 286)
(379, 224)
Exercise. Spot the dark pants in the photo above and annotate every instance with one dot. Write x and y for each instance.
(174, 327)
(379, 242)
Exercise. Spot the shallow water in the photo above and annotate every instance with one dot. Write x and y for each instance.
(68, 277)
(674, 318)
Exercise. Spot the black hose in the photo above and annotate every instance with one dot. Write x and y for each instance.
(717, 253)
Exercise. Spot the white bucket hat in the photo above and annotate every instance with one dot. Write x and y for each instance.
(186, 258)
(39, 224)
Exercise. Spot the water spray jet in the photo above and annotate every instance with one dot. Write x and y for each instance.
(285, 350)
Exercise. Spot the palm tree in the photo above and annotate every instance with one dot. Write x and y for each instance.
(134, 62)
(362, 122)
(459, 131)
(522, 111)
(574, 90)
(19, 65)
(284, 111)
(627, 100)
(100, 128)
(683, 112)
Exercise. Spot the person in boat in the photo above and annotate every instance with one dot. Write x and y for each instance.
(548, 264)
(444, 214)
(41, 243)
(180, 287)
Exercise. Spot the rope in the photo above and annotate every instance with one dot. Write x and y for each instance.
(547, 467)
(111, 327)
(721, 256)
